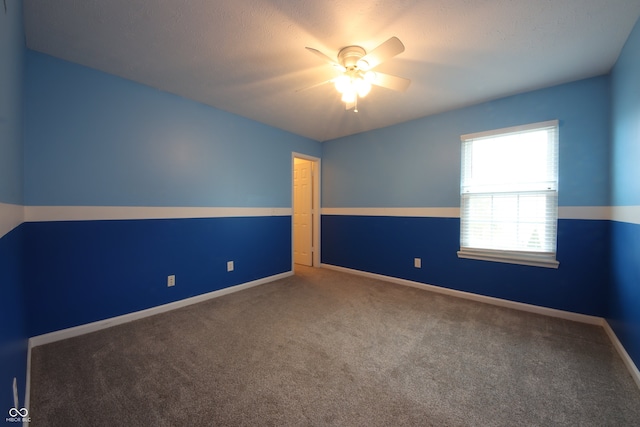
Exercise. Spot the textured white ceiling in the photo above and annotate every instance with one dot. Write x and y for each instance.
(248, 56)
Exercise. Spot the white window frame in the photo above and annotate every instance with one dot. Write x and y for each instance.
(539, 259)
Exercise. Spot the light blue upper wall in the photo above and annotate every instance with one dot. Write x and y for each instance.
(11, 75)
(625, 90)
(417, 164)
(624, 298)
(94, 139)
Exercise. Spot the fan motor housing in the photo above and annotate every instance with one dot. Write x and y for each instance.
(350, 55)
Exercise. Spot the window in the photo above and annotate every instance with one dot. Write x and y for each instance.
(509, 195)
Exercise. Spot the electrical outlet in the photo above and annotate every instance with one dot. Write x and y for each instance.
(417, 262)
(229, 265)
(171, 280)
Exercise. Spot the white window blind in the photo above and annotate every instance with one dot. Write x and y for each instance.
(509, 195)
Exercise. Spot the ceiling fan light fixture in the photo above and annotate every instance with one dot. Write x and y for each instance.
(349, 95)
(342, 83)
(362, 64)
(356, 76)
(361, 86)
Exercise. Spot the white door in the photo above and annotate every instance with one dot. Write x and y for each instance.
(302, 211)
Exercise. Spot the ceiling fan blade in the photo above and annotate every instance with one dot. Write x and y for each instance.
(386, 50)
(315, 85)
(391, 82)
(325, 58)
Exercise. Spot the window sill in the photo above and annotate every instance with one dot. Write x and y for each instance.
(532, 259)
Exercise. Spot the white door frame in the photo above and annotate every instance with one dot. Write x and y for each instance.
(315, 177)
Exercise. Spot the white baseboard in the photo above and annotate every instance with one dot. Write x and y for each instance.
(567, 315)
(27, 386)
(125, 318)
(103, 324)
(633, 369)
(552, 312)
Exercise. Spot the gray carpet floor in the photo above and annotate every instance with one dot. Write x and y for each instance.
(329, 348)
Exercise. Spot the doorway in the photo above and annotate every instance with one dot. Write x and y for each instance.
(305, 211)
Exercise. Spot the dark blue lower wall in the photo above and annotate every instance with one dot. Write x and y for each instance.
(83, 271)
(388, 245)
(624, 311)
(13, 315)
(78, 272)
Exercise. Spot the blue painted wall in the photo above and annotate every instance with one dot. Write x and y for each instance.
(388, 245)
(93, 139)
(98, 140)
(83, 271)
(624, 313)
(13, 333)
(13, 318)
(11, 76)
(417, 164)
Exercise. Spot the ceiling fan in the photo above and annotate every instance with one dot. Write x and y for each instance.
(356, 75)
